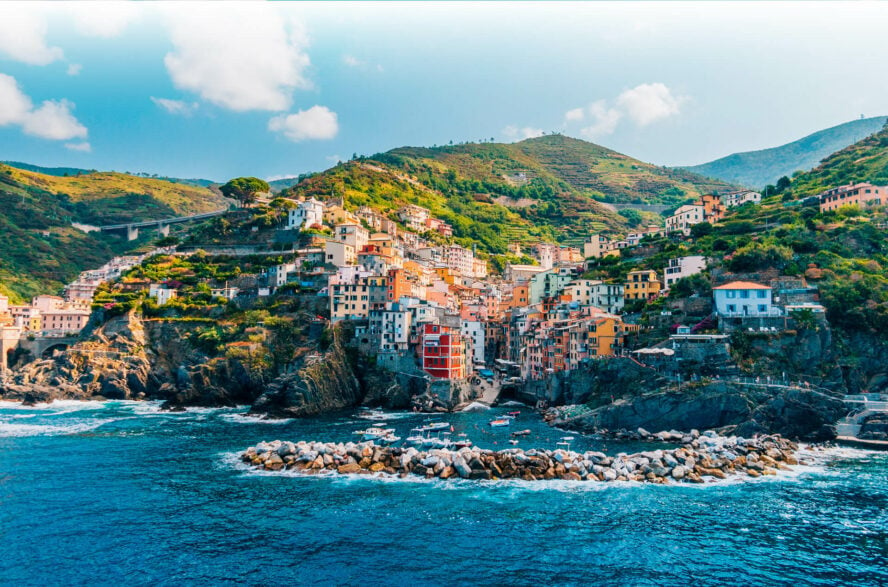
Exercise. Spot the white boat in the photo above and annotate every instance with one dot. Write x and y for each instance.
(374, 433)
(374, 414)
(500, 422)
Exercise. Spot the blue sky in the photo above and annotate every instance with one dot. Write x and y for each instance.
(222, 90)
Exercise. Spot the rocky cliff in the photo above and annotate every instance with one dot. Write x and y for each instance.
(733, 408)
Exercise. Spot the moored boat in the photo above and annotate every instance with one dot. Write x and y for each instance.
(500, 422)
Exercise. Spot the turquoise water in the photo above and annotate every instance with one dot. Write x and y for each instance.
(120, 493)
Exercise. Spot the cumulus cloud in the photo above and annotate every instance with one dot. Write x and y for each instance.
(23, 35)
(526, 132)
(352, 61)
(604, 120)
(14, 104)
(574, 115)
(51, 120)
(318, 122)
(644, 104)
(176, 106)
(647, 103)
(84, 147)
(251, 58)
(74, 69)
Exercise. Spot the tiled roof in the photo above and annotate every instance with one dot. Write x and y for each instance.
(742, 285)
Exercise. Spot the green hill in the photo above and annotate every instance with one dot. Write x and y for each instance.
(866, 160)
(41, 249)
(552, 187)
(758, 168)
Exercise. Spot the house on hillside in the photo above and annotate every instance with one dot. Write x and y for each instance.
(858, 194)
(685, 217)
(682, 267)
(744, 298)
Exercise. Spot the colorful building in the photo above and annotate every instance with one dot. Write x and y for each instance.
(443, 352)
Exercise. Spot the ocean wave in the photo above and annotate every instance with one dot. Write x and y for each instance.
(10, 430)
(66, 405)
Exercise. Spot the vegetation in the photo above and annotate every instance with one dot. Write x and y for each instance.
(244, 189)
(42, 251)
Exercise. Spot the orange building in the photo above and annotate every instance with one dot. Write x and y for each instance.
(713, 208)
(642, 285)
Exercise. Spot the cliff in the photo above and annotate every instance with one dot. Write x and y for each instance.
(743, 409)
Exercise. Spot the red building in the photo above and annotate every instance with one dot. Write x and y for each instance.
(443, 352)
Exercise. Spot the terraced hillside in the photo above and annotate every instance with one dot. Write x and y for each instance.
(41, 249)
(552, 187)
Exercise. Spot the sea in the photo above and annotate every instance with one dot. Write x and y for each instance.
(122, 493)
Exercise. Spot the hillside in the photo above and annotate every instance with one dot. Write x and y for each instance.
(42, 251)
(553, 187)
(756, 169)
(866, 160)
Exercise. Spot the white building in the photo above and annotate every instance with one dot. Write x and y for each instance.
(744, 298)
(161, 293)
(306, 215)
(473, 333)
(414, 217)
(593, 292)
(395, 330)
(353, 234)
(684, 218)
(682, 267)
(277, 274)
(732, 199)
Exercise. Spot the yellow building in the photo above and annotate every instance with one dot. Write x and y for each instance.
(642, 285)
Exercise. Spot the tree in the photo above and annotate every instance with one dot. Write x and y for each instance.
(701, 229)
(244, 189)
(633, 217)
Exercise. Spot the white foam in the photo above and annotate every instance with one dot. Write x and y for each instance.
(59, 404)
(247, 419)
(476, 407)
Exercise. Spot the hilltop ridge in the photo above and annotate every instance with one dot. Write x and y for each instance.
(759, 168)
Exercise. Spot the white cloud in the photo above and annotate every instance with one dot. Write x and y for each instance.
(277, 177)
(604, 120)
(574, 115)
(239, 57)
(107, 20)
(351, 61)
(176, 106)
(526, 132)
(334, 158)
(644, 104)
(84, 147)
(74, 69)
(647, 103)
(53, 120)
(23, 35)
(318, 122)
(14, 104)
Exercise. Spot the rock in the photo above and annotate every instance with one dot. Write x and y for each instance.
(376, 467)
(274, 462)
(462, 468)
(348, 469)
(610, 475)
(678, 472)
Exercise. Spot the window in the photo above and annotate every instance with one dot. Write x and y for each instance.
(762, 294)
(763, 308)
(744, 293)
(732, 308)
(730, 294)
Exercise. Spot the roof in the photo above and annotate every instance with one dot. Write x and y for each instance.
(742, 285)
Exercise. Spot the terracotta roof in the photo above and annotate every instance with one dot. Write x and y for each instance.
(742, 285)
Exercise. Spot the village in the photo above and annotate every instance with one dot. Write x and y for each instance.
(433, 310)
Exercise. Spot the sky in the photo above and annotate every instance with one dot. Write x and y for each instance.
(224, 90)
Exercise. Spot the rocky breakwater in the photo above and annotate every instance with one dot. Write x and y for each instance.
(705, 457)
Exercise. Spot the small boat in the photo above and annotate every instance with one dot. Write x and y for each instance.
(500, 422)
(374, 433)
(513, 442)
(435, 426)
(462, 442)
(521, 433)
(388, 439)
(514, 415)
